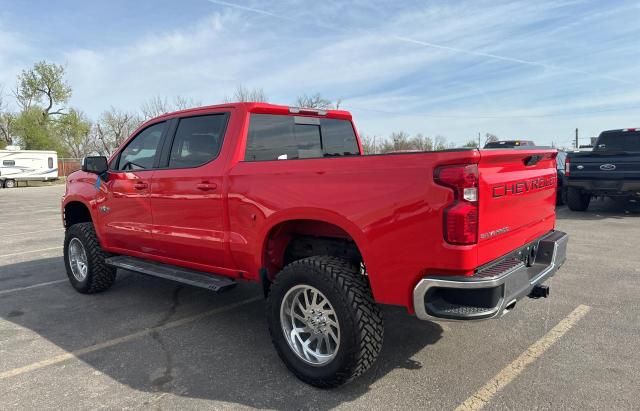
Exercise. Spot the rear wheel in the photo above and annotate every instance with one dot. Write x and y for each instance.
(9, 183)
(323, 321)
(577, 200)
(84, 260)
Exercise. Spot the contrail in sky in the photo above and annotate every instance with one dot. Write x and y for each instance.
(428, 44)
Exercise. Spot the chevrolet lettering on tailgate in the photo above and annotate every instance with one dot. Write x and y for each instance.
(522, 187)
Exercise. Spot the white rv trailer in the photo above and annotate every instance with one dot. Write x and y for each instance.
(26, 165)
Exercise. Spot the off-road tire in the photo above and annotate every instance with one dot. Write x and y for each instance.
(577, 200)
(100, 276)
(361, 324)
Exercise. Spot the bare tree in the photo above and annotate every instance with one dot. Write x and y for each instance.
(401, 141)
(244, 94)
(490, 138)
(473, 143)
(422, 143)
(316, 101)
(113, 127)
(183, 103)
(369, 144)
(157, 106)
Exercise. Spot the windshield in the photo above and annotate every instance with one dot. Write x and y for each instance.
(618, 141)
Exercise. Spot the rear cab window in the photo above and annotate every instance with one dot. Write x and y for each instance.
(619, 140)
(286, 137)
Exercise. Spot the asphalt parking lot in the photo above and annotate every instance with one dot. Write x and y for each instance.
(149, 343)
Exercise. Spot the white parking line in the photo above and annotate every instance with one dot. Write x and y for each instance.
(20, 210)
(28, 287)
(482, 397)
(110, 343)
(32, 221)
(30, 232)
(31, 251)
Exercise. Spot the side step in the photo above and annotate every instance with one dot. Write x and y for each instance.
(183, 275)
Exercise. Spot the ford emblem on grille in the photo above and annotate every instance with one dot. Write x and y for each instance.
(607, 167)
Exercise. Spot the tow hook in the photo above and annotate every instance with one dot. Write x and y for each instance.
(539, 291)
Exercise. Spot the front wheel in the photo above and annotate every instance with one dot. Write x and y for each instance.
(577, 200)
(84, 260)
(323, 321)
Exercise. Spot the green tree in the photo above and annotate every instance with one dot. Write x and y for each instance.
(43, 86)
(32, 130)
(74, 133)
(6, 120)
(471, 144)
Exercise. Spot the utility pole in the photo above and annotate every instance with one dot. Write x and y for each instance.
(479, 141)
(577, 138)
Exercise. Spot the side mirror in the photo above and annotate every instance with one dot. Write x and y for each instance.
(95, 164)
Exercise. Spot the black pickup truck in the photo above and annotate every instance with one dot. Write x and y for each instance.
(612, 169)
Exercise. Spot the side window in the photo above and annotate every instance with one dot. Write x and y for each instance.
(270, 138)
(338, 138)
(50, 162)
(278, 137)
(140, 153)
(197, 140)
(8, 162)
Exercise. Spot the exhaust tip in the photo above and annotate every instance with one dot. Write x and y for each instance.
(539, 291)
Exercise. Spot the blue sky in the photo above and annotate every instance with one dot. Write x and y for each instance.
(532, 70)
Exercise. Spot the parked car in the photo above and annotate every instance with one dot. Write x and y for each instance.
(283, 196)
(509, 144)
(612, 169)
(27, 165)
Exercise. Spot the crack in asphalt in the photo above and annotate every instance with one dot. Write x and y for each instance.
(160, 383)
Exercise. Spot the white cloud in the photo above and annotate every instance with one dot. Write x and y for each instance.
(525, 69)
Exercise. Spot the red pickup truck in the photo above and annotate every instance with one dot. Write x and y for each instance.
(284, 197)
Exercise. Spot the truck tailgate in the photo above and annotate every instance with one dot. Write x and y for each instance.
(517, 192)
(604, 166)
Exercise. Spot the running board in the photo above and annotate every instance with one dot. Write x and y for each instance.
(182, 275)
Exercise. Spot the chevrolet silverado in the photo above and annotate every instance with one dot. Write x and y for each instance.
(284, 197)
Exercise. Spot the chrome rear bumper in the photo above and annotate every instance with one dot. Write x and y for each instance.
(495, 288)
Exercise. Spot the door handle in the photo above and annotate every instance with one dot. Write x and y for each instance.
(140, 186)
(206, 186)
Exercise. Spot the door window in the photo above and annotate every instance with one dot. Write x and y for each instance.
(141, 152)
(197, 140)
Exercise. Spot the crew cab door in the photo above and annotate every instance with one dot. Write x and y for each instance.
(187, 193)
(123, 204)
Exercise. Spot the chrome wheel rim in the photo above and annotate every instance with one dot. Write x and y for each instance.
(310, 325)
(78, 259)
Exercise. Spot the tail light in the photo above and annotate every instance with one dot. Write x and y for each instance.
(567, 166)
(461, 217)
